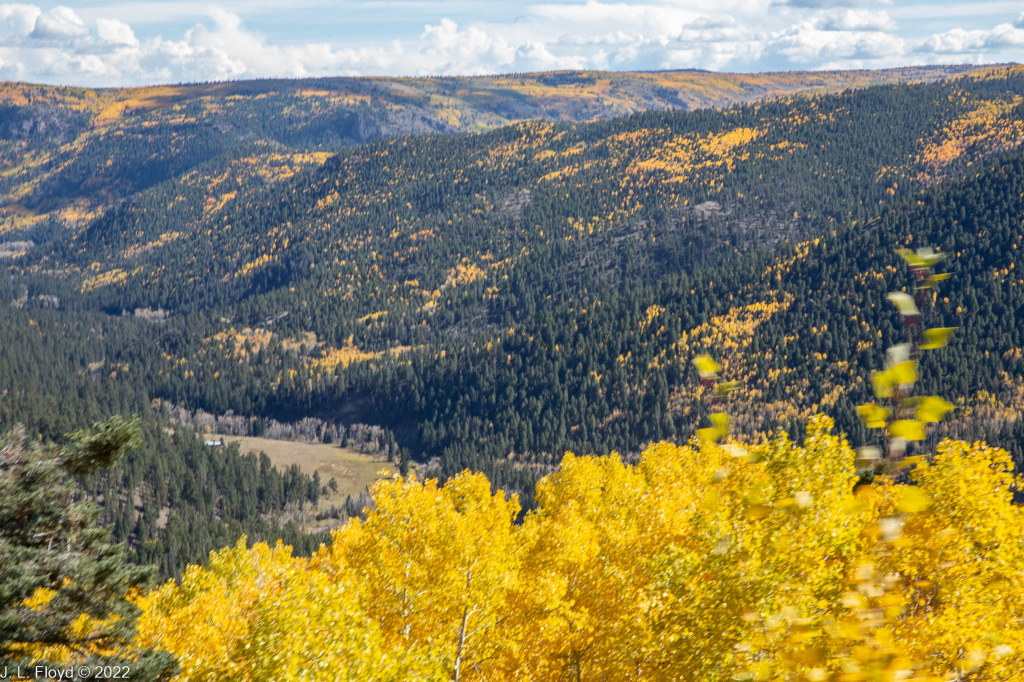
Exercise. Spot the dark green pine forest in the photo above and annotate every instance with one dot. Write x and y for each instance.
(493, 300)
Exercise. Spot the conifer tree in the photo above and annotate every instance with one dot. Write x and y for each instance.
(64, 588)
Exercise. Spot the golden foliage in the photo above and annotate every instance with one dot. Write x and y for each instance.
(991, 409)
(245, 344)
(128, 113)
(163, 240)
(730, 336)
(215, 204)
(92, 634)
(652, 314)
(372, 316)
(103, 279)
(344, 356)
(239, 344)
(260, 614)
(684, 155)
(274, 166)
(990, 122)
(699, 563)
(255, 264)
(464, 273)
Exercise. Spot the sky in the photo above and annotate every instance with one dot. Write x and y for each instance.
(142, 42)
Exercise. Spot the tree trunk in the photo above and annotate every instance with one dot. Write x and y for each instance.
(462, 641)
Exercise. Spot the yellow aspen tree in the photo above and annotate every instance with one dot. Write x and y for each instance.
(907, 582)
(960, 563)
(658, 571)
(578, 601)
(260, 614)
(435, 567)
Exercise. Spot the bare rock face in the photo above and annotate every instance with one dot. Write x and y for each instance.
(158, 315)
(14, 249)
(513, 204)
(708, 207)
(41, 121)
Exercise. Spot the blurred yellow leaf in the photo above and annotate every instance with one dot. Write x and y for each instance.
(726, 387)
(975, 659)
(934, 280)
(928, 257)
(709, 435)
(937, 337)
(908, 429)
(706, 366)
(904, 373)
(735, 450)
(909, 257)
(874, 416)
(904, 302)
(883, 384)
(932, 409)
(912, 500)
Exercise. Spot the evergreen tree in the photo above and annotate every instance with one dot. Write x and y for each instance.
(64, 588)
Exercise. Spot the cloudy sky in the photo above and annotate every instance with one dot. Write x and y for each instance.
(130, 42)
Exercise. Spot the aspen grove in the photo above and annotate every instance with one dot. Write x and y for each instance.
(700, 562)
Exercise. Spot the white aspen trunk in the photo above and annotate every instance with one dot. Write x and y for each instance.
(462, 629)
(462, 642)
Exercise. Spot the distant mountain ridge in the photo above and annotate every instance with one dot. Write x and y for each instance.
(61, 148)
(552, 95)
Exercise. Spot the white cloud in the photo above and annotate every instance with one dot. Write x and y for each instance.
(449, 50)
(647, 18)
(536, 57)
(820, 4)
(116, 32)
(720, 21)
(68, 46)
(853, 20)
(959, 41)
(59, 24)
(805, 44)
(18, 20)
(610, 38)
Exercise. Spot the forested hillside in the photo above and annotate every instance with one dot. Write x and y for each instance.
(493, 300)
(68, 154)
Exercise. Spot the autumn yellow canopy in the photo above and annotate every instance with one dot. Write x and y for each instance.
(699, 563)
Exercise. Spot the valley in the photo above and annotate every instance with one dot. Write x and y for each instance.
(492, 294)
(569, 375)
(353, 470)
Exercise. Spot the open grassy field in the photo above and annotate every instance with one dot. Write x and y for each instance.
(354, 471)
